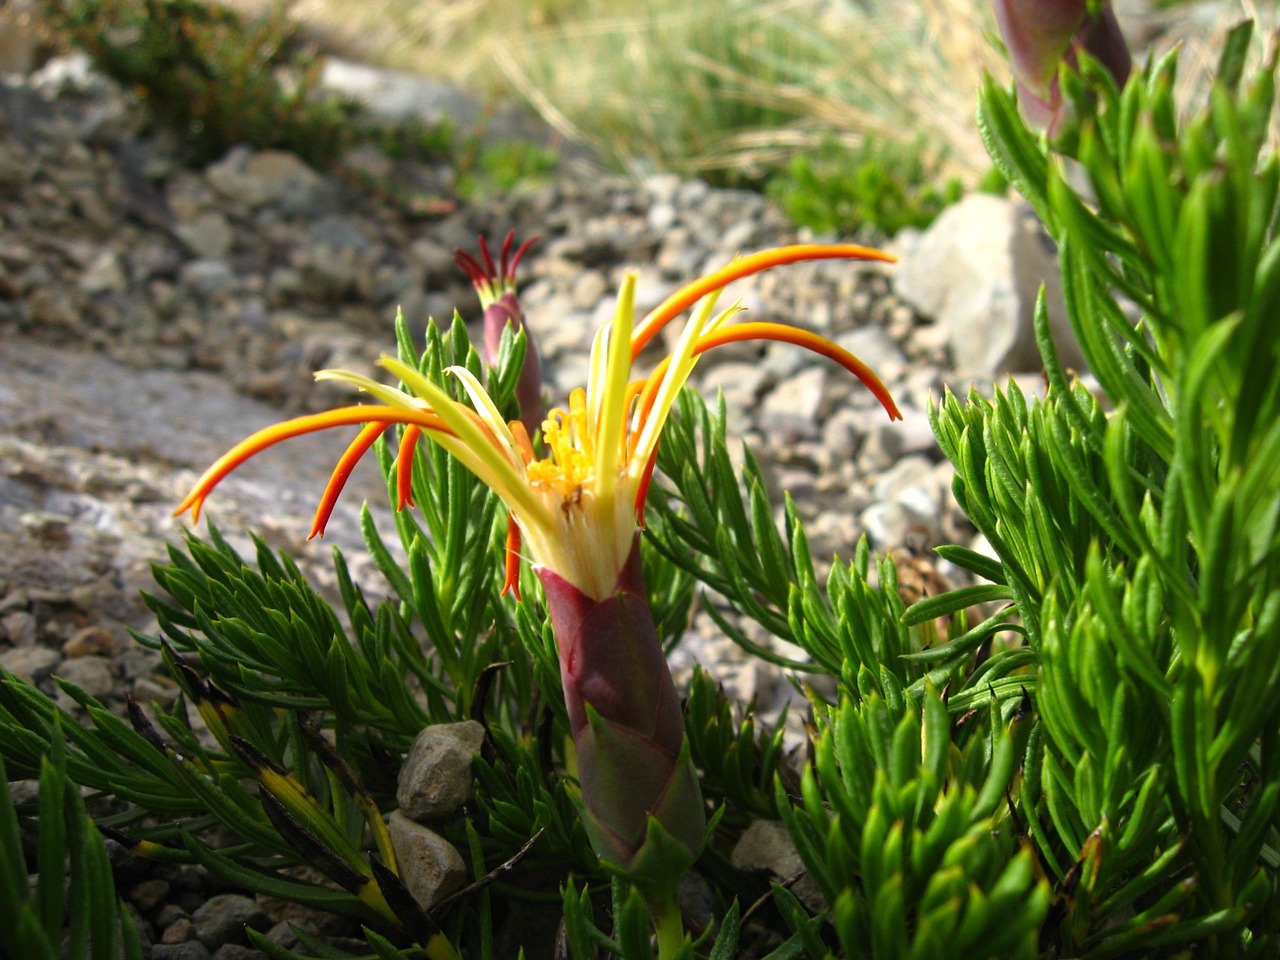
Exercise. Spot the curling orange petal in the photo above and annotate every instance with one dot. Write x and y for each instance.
(270, 436)
(690, 294)
(341, 472)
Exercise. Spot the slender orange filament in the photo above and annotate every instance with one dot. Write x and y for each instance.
(690, 294)
(642, 487)
(342, 471)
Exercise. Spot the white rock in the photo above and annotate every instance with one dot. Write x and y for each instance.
(393, 95)
(977, 269)
(104, 275)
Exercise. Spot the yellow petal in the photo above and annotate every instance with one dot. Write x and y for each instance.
(613, 389)
(486, 459)
(488, 412)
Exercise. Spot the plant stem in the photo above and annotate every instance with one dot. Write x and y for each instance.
(668, 924)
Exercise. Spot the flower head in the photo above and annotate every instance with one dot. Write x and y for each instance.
(576, 506)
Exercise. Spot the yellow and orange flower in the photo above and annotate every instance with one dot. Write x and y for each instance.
(576, 507)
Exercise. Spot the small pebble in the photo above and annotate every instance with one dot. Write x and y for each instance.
(180, 931)
(90, 640)
(148, 894)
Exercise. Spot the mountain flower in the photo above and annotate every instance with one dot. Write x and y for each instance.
(496, 286)
(1041, 35)
(575, 511)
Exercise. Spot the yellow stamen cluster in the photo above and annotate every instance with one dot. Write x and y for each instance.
(570, 464)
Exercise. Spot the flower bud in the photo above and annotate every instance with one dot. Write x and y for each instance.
(496, 286)
(1041, 35)
(642, 805)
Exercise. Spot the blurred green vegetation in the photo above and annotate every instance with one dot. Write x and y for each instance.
(841, 190)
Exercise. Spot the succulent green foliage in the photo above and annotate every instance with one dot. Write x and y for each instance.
(739, 760)
(266, 636)
(71, 867)
(1077, 755)
(881, 186)
(306, 807)
(453, 539)
(855, 628)
(1141, 543)
(904, 824)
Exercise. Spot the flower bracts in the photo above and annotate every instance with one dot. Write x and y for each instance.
(633, 760)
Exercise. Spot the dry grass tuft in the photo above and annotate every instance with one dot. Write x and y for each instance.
(726, 86)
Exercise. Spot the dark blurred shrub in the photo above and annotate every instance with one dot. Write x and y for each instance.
(214, 78)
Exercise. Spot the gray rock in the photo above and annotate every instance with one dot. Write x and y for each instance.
(766, 846)
(223, 919)
(435, 780)
(207, 235)
(977, 269)
(148, 894)
(790, 410)
(877, 349)
(429, 865)
(181, 930)
(19, 628)
(340, 232)
(271, 178)
(740, 382)
(234, 951)
(208, 278)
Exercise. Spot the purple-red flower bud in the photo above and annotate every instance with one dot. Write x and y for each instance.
(496, 286)
(642, 805)
(1041, 35)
